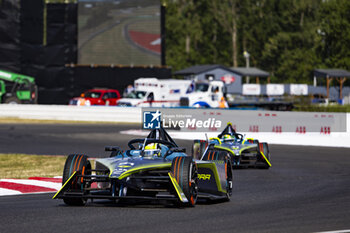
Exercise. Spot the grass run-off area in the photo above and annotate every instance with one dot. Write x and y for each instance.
(13, 120)
(320, 108)
(25, 166)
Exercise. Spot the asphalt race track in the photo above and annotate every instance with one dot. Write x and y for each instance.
(61, 139)
(306, 190)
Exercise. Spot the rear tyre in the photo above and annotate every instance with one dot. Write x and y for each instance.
(81, 164)
(12, 100)
(185, 172)
(225, 157)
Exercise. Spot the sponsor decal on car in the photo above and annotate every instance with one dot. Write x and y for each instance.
(204, 176)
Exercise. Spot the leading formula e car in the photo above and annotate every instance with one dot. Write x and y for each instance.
(153, 168)
(243, 152)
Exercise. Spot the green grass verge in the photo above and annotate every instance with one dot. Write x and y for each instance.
(24, 166)
(12, 120)
(319, 108)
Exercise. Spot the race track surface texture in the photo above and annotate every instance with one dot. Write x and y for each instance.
(306, 190)
(62, 139)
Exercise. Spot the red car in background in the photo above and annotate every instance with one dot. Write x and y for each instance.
(96, 97)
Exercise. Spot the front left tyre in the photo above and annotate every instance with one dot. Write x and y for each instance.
(81, 164)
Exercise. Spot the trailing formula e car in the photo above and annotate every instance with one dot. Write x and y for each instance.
(153, 168)
(243, 152)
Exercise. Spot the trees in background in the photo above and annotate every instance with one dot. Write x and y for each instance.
(287, 38)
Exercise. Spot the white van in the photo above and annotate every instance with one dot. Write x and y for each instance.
(153, 92)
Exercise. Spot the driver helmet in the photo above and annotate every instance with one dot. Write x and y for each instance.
(228, 137)
(151, 150)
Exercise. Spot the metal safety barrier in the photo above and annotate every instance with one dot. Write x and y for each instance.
(293, 128)
(72, 113)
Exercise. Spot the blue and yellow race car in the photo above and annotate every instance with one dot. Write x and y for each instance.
(153, 168)
(244, 152)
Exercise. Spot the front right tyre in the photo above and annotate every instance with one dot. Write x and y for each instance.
(263, 148)
(185, 172)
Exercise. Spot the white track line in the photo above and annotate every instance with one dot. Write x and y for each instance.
(40, 183)
(290, 138)
(336, 231)
(5, 192)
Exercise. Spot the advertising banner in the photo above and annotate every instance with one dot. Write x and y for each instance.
(251, 89)
(298, 89)
(215, 120)
(274, 89)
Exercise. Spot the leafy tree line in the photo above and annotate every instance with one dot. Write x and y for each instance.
(288, 38)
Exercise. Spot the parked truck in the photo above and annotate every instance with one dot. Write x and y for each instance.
(17, 88)
(204, 94)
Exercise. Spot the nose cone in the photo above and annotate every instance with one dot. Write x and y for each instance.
(121, 167)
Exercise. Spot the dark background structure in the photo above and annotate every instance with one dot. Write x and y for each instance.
(40, 40)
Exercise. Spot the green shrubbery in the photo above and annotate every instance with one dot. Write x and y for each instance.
(287, 38)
